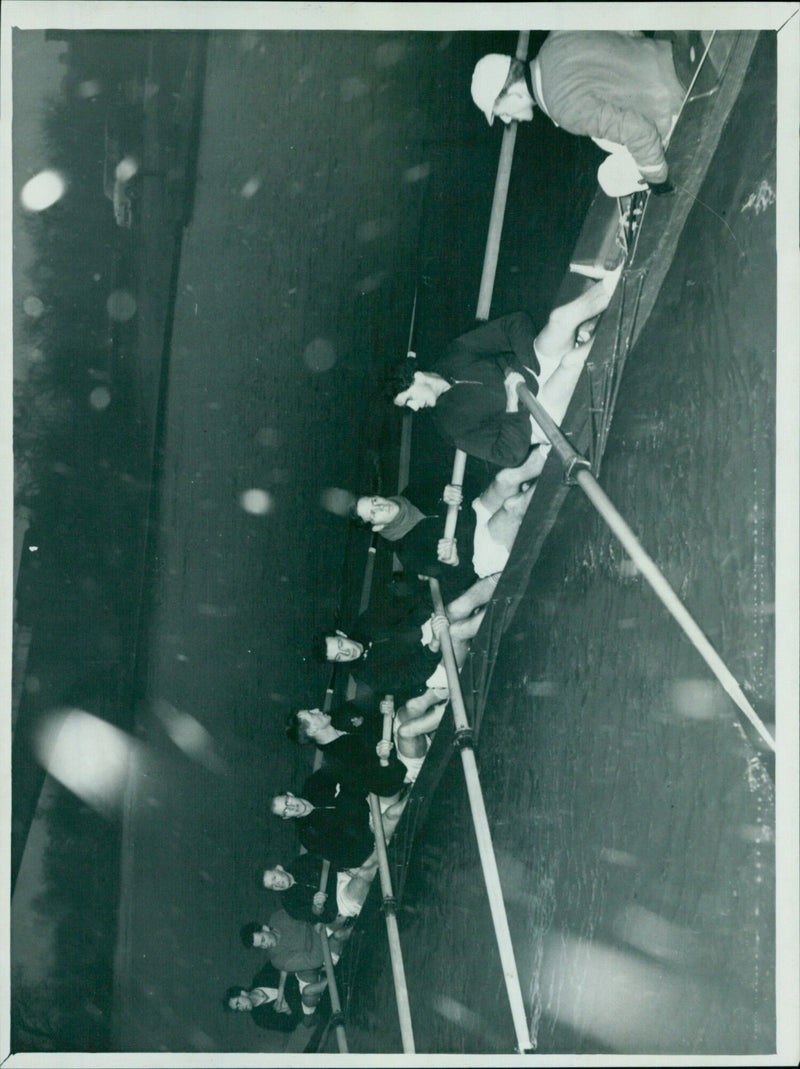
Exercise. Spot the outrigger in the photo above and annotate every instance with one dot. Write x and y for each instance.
(614, 234)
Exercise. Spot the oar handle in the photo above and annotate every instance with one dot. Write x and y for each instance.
(457, 479)
(323, 877)
(388, 718)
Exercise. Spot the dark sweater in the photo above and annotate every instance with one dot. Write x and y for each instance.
(265, 1015)
(298, 901)
(417, 549)
(354, 761)
(472, 413)
(339, 829)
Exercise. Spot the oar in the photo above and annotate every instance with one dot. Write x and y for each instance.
(392, 933)
(490, 255)
(336, 1007)
(574, 462)
(491, 875)
(388, 723)
(457, 479)
(405, 429)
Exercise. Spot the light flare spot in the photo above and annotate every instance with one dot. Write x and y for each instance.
(32, 307)
(189, 735)
(42, 191)
(100, 398)
(627, 569)
(268, 437)
(389, 53)
(697, 699)
(251, 187)
(256, 502)
(121, 306)
(89, 89)
(371, 229)
(336, 500)
(126, 169)
(319, 355)
(417, 173)
(369, 283)
(353, 89)
(757, 833)
(90, 757)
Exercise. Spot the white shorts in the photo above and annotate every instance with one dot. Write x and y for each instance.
(488, 556)
(413, 764)
(345, 903)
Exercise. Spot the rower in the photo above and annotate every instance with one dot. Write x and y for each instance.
(620, 89)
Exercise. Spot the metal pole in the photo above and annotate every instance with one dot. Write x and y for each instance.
(405, 429)
(333, 991)
(572, 460)
(395, 952)
(490, 256)
(480, 820)
(499, 203)
(366, 586)
(457, 479)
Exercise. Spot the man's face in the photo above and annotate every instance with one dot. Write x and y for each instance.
(289, 807)
(341, 649)
(420, 394)
(515, 105)
(265, 939)
(377, 511)
(277, 879)
(241, 1003)
(313, 720)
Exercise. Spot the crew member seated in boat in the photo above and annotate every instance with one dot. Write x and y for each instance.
(474, 402)
(354, 759)
(484, 535)
(293, 946)
(298, 886)
(621, 89)
(413, 521)
(331, 821)
(404, 661)
(268, 1008)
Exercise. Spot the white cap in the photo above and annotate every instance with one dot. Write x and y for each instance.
(488, 80)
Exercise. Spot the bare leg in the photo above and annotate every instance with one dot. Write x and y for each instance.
(391, 817)
(412, 730)
(505, 523)
(508, 481)
(477, 595)
(558, 336)
(557, 392)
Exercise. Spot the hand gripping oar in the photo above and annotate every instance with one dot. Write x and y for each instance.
(457, 479)
(333, 991)
(574, 462)
(388, 724)
(281, 1005)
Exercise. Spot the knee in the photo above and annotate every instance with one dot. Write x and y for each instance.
(507, 481)
(403, 715)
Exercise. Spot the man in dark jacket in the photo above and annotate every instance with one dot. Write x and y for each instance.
(330, 820)
(299, 888)
(354, 759)
(262, 1001)
(473, 399)
(621, 89)
(485, 532)
(413, 521)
